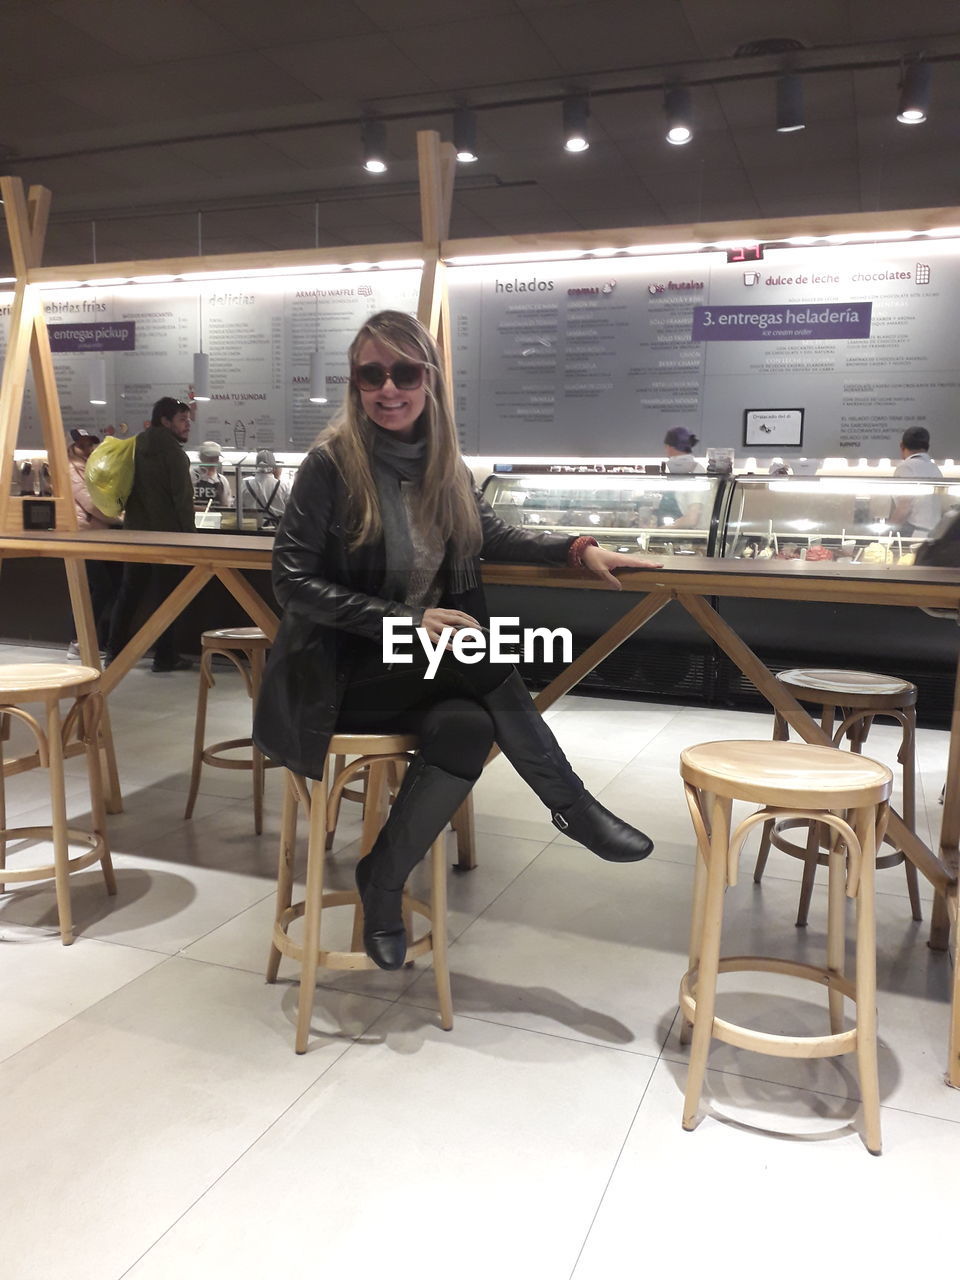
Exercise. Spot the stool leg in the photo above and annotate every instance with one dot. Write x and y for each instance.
(865, 825)
(836, 929)
(811, 861)
(375, 805)
(4, 731)
(58, 811)
(259, 770)
(375, 790)
(696, 927)
(719, 809)
(826, 720)
(90, 719)
(199, 731)
(781, 733)
(338, 763)
(811, 858)
(908, 761)
(312, 910)
(288, 850)
(407, 913)
(466, 843)
(356, 936)
(858, 733)
(438, 929)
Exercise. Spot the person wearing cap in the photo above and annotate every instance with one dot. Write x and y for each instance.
(160, 501)
(678, 444)
(103, 576)
(210, 485)
(267, 491)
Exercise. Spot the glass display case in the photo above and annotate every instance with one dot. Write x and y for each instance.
(626, 510)
(241, 511)
(262, 496)
(864, 520)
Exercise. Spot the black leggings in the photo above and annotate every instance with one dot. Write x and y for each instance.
(454, 728)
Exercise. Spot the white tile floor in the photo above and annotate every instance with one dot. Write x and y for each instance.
(156, 1123)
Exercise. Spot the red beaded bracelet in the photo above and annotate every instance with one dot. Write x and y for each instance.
(576, 549)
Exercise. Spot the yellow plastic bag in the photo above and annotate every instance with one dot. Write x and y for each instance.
(109, 474)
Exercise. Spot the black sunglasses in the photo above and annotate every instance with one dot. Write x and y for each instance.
(404, 374)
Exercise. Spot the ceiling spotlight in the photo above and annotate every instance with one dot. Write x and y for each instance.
(374, 135)
(465, 135)
(790, 104)
(576, 113)
(914, 93)
(676, 103)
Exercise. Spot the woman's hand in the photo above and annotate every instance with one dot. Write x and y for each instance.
(602, 563)
(434, 620)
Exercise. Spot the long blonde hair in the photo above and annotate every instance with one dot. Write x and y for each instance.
(446, 500)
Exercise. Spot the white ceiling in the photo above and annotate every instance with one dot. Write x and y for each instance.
(139, 113)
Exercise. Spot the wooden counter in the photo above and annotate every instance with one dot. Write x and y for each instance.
(680, 580)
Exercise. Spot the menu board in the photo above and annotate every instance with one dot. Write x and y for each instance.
(595, 356)
(546, 354)
(259, 336)
(599, 357)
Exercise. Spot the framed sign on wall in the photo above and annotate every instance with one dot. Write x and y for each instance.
(777, 428)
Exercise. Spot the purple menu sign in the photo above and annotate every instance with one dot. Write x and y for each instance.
(101, 335)
(795, 322)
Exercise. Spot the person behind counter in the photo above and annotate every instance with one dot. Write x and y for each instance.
(268, 491)
(161, 500)
(210, 485)
(384, 523)
(684, 509)
(917, 516)
(103, 576)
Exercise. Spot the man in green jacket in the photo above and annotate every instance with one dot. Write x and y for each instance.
(161, 501)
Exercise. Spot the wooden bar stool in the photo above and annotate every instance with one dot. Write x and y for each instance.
(375, 755)
(246, 648)
(847, 793)
(858, 697)
(50, 684)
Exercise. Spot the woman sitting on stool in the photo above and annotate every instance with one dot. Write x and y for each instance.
(384, 523)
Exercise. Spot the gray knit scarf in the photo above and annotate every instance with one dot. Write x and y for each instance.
(395, 461)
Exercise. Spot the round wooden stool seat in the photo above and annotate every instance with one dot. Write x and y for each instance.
(848, 688)
(785, 774)
(243, 638)
(375, 755)
(246, 649)
(845, 792)
(41, 681)
(858, 697)
(50, 684)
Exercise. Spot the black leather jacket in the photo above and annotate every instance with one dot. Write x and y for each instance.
(333, 610)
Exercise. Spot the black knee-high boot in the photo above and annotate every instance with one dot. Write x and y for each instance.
(427, 800)
(527, 741)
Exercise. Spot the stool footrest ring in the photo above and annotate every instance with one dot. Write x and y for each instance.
(346, 959)
(779, 841)
(826, 1046)
(209, 755)
(96, 848)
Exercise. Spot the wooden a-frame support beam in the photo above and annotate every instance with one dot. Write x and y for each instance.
(26, 218)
